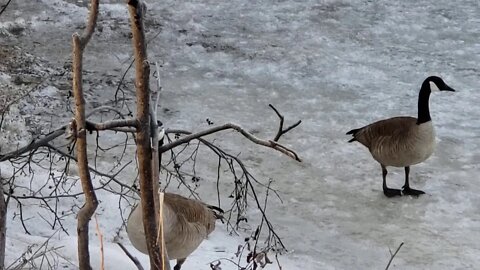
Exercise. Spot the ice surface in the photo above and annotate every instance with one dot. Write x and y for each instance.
(336, 65)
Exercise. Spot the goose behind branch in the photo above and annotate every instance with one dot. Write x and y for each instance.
(187, 223)
(402, 141)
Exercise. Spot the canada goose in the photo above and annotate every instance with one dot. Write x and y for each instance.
(402, 141)
(187, 223)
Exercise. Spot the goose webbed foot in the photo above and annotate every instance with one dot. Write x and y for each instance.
(411, 191)
(391, 192)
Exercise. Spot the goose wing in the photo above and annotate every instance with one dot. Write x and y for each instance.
(387, 131)
(193, 222)
(193, 211)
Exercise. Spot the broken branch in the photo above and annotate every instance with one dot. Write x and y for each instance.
(282, 131)
(393, 255)
(268, 143)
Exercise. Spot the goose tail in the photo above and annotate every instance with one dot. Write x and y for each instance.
(353, 132)
(217, 211)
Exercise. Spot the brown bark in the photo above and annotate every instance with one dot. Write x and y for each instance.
(91, 203)
(268, 143)
(144, 151)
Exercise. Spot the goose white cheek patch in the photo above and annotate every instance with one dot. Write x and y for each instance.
(433, 87)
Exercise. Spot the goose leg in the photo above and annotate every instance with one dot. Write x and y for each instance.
(179, 264)
(406, 188)
(389, 192)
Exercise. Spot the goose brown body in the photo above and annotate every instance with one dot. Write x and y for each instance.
(187, 223)
(398, 141)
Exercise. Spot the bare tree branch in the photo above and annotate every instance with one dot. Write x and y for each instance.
(129, 67)
(112, 124)
(251, 137)
(241, 190)
(34, 144)
(29, 256)
(105, 108)
(282, 131)
(115, 125)
(5, 7)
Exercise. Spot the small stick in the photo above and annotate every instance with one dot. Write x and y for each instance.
(393, 256)
(100, 237)
(134, 259)
(160, 236)
(282, 131)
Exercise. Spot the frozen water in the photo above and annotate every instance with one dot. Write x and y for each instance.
(336, 65)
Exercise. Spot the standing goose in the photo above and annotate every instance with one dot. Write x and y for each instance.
(402, 141)
(187, 223)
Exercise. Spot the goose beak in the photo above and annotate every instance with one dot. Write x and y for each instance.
(447, 88)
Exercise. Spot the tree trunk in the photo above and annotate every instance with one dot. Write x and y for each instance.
(91, 203)
(144, 151)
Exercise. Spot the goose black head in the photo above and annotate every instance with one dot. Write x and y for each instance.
(437, 84)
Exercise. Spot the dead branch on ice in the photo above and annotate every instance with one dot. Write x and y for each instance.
(393, 255)
(281, 130)
(268, 143)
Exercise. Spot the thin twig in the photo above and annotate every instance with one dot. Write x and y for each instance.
(130, 66)
(251, 137)
(105, 108)
(278, 262)
(115, 125)
(159, 88)
(22, 261)
(134, 259)
(282, 131)
(34, 144)
(393, 256)
(5, 7)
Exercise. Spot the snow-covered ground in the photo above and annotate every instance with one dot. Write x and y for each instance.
(336, 65)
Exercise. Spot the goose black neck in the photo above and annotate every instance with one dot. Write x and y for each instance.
(423, 109)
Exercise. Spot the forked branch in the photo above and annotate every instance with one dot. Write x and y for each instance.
(268, 143)
(393, 255)
(34, 144)
(282, 131)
